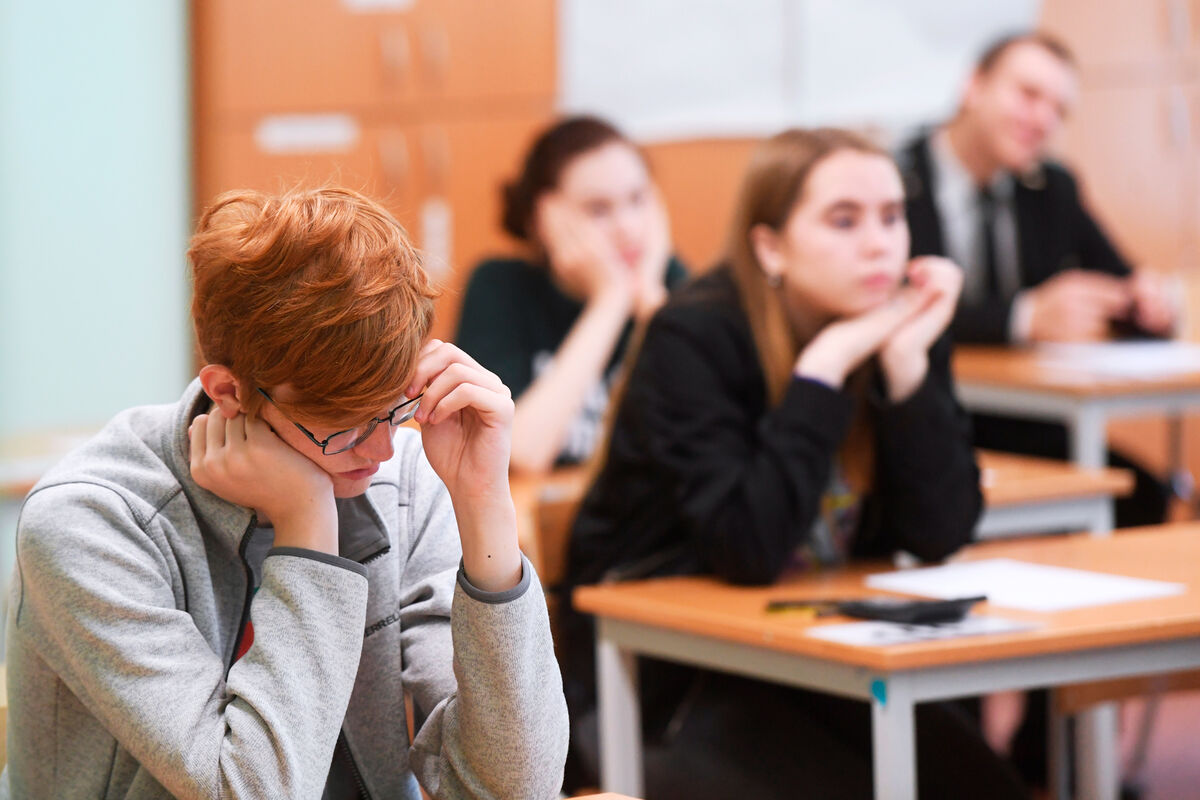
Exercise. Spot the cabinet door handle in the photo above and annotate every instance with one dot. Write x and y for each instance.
(395, 52)
(393, 158)
(435, 47)
(1179, 24)
(435, 146)
(1179, 116)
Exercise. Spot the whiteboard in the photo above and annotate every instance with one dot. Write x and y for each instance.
(684, 69)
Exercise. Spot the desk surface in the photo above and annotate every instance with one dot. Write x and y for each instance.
(706, 607)
(1020, 368)
(530, 488)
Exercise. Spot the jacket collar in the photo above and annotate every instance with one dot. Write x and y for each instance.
(362, 533)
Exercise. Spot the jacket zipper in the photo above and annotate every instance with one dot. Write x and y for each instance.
(358, 780)
(237, 642)
(378, 554)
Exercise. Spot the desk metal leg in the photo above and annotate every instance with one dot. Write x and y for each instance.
(1097, 752)
(1089, 437)
(894, 739)
(619, 719)
(1104, 518)
(1059, 776)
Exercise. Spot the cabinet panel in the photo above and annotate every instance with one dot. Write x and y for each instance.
(313, 55)
(699, 181)
(464, 164)
(485, 50)
(298, 55)
(381, 163)
(1122, 32)
(1133, 150)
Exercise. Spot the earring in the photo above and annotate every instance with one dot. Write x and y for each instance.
(774, 281)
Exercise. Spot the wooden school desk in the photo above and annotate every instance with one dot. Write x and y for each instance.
(703, 622)
(1025, 495)
(1012, 382)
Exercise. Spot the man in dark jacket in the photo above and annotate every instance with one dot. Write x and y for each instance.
(980, 191)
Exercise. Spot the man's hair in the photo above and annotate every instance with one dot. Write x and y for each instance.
(317, 289)
(992, 54)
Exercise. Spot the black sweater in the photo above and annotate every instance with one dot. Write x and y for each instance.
(701, 477)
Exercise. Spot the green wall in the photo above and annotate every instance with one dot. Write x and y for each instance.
(94, 209)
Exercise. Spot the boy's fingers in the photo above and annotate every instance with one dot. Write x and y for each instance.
(434, 360)
(235, 431)
(215, 438)
(458, 375)
(198, 434)
(488, 403)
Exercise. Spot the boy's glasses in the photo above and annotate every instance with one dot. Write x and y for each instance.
(342, 441)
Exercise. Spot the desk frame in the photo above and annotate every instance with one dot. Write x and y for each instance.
(1090, 513)
(1086, 417)
(892, 695)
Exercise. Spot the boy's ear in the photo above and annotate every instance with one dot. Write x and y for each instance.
(222, 388)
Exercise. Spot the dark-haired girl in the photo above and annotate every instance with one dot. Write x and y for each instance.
(553, 323)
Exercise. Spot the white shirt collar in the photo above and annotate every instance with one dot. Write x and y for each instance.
(952, 177)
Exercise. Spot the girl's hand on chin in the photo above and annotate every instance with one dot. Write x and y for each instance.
(905, 356)
(844, 344)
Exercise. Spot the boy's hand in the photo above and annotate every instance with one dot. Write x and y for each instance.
(466, 420)
(243, 461)
(466, 427)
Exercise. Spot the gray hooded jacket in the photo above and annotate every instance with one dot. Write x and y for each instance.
(129, 597)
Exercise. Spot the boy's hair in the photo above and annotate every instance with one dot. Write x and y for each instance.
(317, 289)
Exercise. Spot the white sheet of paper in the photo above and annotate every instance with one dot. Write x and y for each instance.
(1130, 360)
(1017, 584)
(872, 633)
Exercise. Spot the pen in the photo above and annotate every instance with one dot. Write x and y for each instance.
(819, 604)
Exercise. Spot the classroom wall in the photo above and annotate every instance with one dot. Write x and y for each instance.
(94, 209)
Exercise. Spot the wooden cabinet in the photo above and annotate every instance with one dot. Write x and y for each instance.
(1134, 137)
(256, 56)
(382, 162)
(1136, 157)
(465, 163)
(1129, 34)
(425, 105)
(700, 180)
(486, 50)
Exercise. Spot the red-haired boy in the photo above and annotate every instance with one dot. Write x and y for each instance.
(230, 596)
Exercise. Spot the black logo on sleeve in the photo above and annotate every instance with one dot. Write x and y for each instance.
(375, 627)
